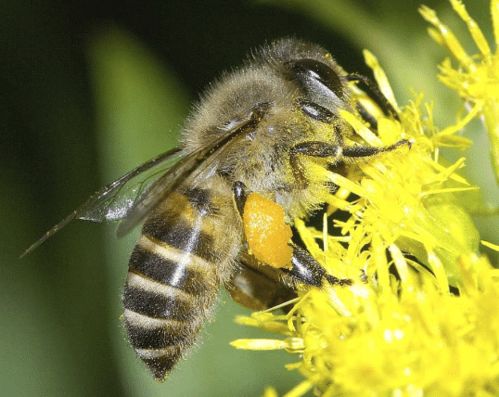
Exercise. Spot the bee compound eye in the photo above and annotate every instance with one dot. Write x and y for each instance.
(306, 71)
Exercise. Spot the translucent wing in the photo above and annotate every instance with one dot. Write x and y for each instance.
(115, 200)
(129, 201)
(195, 164)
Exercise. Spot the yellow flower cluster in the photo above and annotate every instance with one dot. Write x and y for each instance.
(422, 316)
(476, 77)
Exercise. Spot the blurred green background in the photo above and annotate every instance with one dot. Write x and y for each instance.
(89, 90)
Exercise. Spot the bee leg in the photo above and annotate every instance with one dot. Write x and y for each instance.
(240, 194)
(306, 270)
(368, 151)
(324, 149)
(258, 286)
(368, 117)
(314, 149)
(385, 103)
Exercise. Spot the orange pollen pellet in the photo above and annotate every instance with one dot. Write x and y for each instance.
(267, 233)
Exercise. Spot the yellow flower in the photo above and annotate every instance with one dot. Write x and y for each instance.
(422, 316)
(475, 77)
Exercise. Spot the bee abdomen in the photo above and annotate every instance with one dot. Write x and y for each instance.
(166, 298)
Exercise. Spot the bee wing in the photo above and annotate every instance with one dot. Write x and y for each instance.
(129, 201)
(193, 166)
(114, 201)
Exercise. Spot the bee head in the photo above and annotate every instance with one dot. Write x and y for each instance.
(312, 69)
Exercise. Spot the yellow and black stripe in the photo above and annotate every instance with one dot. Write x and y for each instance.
(172, 280)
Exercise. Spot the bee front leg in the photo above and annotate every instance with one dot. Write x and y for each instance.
(368, 117)
(324, 149)
(335, 152)
(368, 151)
(313, 149)
(386, 106)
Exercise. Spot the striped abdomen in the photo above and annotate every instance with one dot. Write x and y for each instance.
(174, 275)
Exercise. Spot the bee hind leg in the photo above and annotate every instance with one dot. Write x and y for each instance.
(304, 268)
(258, 286)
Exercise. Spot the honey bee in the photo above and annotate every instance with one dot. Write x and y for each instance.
(256, 131)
